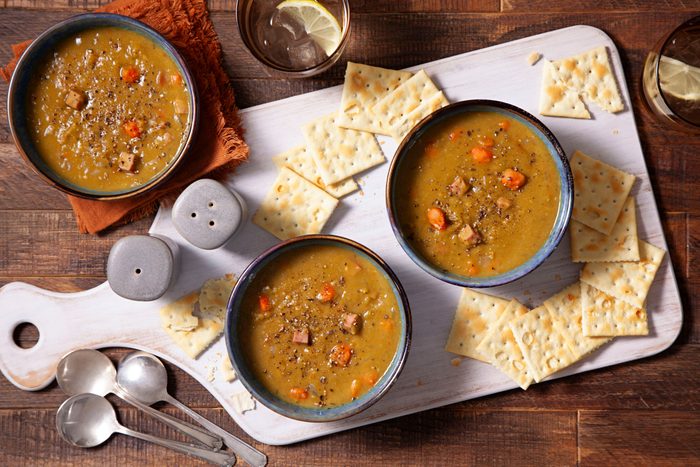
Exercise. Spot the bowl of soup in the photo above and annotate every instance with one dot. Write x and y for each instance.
(318, 328)
(479, 193)
(101, 106)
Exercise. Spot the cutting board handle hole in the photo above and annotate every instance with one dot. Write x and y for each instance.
(25, 335)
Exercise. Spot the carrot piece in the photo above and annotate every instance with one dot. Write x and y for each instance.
(299, 393)
(486, 141)
(371, 377)
(436, 218)
(505, 124)
(161, 78)
(264, 302)
(355, 388)
(175, 78)
(481, 155)
(341, 354)
(130, 74)
(431, 150)
(327, 293)
(512, 179)
(132, 129)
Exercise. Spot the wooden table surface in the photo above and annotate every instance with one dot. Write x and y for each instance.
(644, 412)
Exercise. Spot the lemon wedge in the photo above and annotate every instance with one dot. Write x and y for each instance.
(679, 79)
(318, 22)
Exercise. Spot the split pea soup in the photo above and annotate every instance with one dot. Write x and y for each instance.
(478, 194)
(319, 326)
(108, 110)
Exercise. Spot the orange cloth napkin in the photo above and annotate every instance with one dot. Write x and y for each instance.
(218, 145)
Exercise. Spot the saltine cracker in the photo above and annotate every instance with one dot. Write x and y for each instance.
(600, 191)
(294, 206)
(475, 315)
(502, 351)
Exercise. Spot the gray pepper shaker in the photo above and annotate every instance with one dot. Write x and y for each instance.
(207, 214)
(142, 267)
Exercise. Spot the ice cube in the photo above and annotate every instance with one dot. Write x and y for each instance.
(305, 53)
(281, 19)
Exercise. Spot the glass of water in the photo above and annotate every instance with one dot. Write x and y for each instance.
(296, 38)
(671, 77)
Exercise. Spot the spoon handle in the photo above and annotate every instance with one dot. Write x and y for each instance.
(208, 439)
(242, 449)
(217, 458)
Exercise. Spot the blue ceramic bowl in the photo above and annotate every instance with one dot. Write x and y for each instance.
(566, 197)
(258, 390)
(36, 54)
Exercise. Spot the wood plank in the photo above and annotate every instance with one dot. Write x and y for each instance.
(29, 240)
(59, 284)
(22, 188)
(670, 381)
(438, 437)
(399, 39)
(547, 6)
(30, 438)
(678, 237)
(691, 317)
(639, 438)
(364, 6)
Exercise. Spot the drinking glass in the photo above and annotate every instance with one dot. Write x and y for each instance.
(282, 44)
(671, 77)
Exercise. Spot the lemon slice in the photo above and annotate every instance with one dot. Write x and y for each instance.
(318, 22)
(679, 79)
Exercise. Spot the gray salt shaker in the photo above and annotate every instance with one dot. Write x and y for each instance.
(142, 267)
(207, 214)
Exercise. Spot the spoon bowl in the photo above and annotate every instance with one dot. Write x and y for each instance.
(86, 420)
(86, 371)
(143, 376)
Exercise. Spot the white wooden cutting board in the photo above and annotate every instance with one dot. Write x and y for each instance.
(98, 318)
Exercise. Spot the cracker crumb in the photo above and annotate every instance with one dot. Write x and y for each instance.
(456, 361)
(419, 382)
(533, 58)
(243, 402)
(615, 131)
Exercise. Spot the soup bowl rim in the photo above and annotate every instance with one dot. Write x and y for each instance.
(566, 193)
(31, 58)
(257, 389)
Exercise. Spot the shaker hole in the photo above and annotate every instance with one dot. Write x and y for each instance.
(137, 271)
(211, 223)
(25, 335)
(194, 214)
(211, 204)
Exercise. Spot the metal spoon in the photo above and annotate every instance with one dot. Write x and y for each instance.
(87, 420)
(143, 376)
(90, 371)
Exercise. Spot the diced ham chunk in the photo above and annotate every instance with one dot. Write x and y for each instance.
(127, 162)
(351, 322)
(301, 336)
(469, 236)
(458, 187)
(76, 99)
